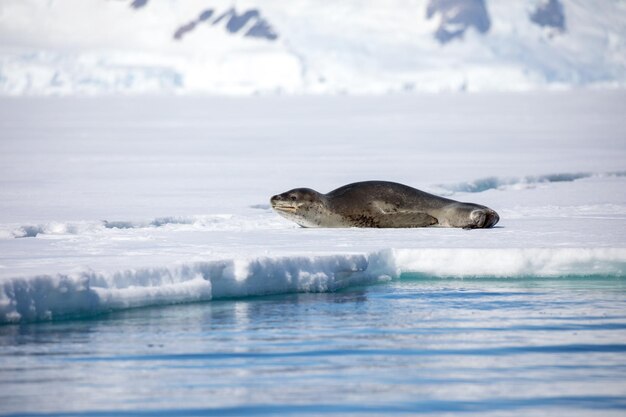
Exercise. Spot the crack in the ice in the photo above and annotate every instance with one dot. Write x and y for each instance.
(495, 183)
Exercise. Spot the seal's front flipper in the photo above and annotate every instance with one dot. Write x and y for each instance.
(405, 219)
(390, 215)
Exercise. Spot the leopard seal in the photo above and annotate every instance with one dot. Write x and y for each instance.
(379, 204)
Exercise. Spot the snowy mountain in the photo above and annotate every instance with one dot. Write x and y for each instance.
(306, 47)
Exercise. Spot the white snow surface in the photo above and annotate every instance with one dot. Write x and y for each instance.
(96, 47)
(116, 203)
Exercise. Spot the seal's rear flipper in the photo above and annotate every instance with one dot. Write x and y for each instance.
(483, 218)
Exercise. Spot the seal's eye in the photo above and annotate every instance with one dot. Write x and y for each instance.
(293, 197)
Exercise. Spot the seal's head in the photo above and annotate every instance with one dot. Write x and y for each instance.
(304, 206)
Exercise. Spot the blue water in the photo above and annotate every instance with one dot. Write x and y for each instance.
(417, 346)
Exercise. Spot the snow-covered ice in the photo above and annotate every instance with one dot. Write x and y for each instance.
(115, 203)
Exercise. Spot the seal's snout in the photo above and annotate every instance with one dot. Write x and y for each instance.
(276, 200)
(279, 199)
(280, 202)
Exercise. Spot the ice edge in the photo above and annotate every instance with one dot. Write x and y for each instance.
(86, 293)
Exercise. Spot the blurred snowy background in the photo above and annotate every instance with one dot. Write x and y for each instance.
(93, 47)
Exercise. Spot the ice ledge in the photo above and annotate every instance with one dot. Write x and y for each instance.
(49, 297)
